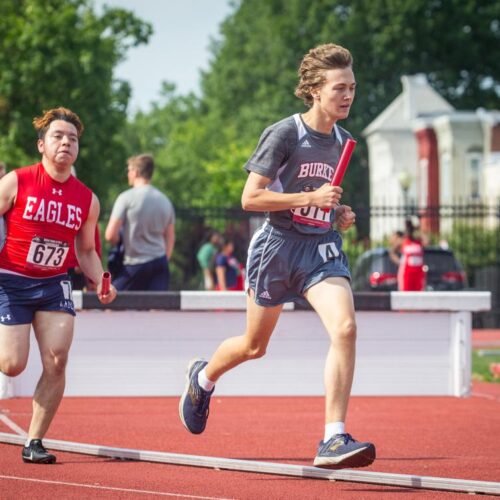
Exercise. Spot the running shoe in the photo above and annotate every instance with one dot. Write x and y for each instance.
(36, 453)
(194, 403)
(342, 450)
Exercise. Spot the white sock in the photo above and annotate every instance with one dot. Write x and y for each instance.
(204, 382)
(333, 428)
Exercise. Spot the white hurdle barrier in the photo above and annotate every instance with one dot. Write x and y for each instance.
(302, 471)
(409, 344)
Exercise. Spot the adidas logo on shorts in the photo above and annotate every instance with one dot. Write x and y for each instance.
(305, 144)
(265, 295)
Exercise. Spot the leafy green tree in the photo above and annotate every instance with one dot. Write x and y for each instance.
(61, 53)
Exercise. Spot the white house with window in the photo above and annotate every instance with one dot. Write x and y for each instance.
(424, 153)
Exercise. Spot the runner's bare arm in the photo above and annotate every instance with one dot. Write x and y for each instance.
(257, 198)
(86, 252)
(169, 240)
(112, 233)
(8, 191)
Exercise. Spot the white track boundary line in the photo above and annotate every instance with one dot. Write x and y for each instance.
(9, 423)
(111, 488)
(357, 476)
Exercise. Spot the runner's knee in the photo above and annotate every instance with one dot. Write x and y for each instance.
(255, 351)
(55, 362)
(345, 331)
(12, 367)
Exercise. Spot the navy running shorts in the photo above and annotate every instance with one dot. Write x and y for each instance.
(21, 298)
(283, 264)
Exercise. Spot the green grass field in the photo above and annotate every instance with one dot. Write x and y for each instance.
(481, 361)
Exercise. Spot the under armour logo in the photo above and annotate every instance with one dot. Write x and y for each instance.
(5, 318)
(57, 191)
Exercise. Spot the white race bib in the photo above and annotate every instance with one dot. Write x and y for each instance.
(46, 253)
(311, 216)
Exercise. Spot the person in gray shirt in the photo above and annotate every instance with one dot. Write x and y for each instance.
(145, 220)
(297, 254)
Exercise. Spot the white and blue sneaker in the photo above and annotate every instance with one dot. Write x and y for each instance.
(342, 451)
(194, 403)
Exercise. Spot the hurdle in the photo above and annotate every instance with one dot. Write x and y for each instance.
(302, 471)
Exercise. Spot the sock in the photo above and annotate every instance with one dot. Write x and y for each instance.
(204, 382)
(333, 428)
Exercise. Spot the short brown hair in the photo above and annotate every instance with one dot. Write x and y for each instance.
(42, 123)
(143, 164)
(315, 63)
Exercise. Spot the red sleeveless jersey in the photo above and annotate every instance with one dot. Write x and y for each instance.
(411, 274)
(42, 224)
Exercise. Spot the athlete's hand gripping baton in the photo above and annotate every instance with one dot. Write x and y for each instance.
(105, 283)
(342, 164)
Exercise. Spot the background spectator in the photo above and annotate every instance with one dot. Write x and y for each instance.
(227, 268)
(148, 220)
(411, 274)
(206, 259)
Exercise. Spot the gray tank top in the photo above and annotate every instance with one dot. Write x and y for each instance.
(298, 158)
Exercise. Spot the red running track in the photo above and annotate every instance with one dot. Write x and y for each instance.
(425, 436)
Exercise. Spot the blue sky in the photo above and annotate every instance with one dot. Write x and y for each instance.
(177, 50)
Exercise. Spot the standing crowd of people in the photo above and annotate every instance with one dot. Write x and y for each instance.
(221, 269)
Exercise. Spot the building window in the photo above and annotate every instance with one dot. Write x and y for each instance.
(474, 164)
(446, 179)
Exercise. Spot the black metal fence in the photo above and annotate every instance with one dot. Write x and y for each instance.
(472, 230)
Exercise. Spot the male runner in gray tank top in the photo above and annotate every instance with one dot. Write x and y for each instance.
(297, 254)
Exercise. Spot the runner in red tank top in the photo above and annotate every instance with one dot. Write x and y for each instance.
(47, 212)
(411, 274)
(43, 222)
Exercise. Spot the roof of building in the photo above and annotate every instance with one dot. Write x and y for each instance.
(418, 100)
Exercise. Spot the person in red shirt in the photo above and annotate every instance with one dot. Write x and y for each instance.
(47, 212)
(411, 273)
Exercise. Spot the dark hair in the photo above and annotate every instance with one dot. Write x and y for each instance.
(409, 228)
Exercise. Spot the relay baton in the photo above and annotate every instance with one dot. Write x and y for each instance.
(105, 283)
(342, 164)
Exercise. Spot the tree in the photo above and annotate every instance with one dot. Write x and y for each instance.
(60, 53)
(251, 79)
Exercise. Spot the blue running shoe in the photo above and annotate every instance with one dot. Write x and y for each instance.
(342, 451)
(194, 403)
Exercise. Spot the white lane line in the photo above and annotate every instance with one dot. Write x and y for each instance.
(111, 488)
(486, 396)
(303, 471)
(9, 423)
